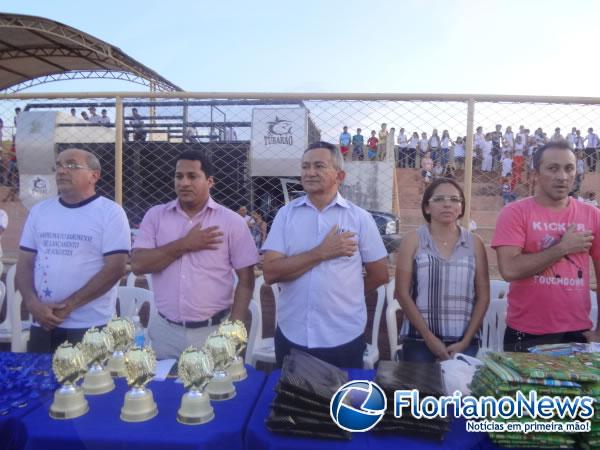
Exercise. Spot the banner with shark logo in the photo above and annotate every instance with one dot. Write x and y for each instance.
(35, 156)
(279, 136)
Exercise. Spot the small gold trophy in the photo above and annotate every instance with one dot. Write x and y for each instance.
(222, 350)
(195, 368)
(96, 346)
(139, 405)
(122, 331)
(68, 365)
(236, 331)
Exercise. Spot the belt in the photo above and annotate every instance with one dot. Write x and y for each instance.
(214, 320)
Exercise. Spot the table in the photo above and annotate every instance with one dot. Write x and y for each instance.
(25, 381)
(259, 438)
(101, 427)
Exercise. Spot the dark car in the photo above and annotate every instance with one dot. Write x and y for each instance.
(389, 229)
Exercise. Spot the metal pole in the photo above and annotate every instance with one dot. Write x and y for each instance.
(468, 187)
(119, 150)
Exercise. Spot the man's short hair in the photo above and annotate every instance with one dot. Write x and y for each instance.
(92, 161)
(558, 145)
(336, 156)
(198, 155)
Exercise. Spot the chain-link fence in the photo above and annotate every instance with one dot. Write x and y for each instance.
(393, 146)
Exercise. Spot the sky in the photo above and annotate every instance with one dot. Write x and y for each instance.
(520, 47)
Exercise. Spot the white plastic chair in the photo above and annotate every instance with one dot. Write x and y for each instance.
(19, 329)
(498, 289)
(5, 331)
(390, 319)
(131, 300)
(594, 310)
(371, 355)
(132, 277)
(259, 348)
(494, 326)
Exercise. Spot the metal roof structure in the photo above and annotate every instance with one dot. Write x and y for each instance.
(35, 50)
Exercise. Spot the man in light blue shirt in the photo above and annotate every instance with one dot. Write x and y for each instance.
(316, 250)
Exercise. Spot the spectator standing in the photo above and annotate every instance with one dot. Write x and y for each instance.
(137, 124)
(507, 164)
(104, 119)
(413, 144)
(591, 146)
(557, 136)
(345, 140)
(459, 153)
(426, 171)
(509, 138)
(434, 145)
(486, 153)
(571, 137)
(372, 144)
(423, 145)
(381, 149)
(94, 118)
(358, 144)
(402, 153)
(445, 144)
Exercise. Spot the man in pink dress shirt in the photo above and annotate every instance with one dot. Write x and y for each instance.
(192, 246)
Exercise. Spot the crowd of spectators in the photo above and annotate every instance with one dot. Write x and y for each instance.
(503, 154)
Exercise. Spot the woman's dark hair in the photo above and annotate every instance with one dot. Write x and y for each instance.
(198, 155)
(431, 189)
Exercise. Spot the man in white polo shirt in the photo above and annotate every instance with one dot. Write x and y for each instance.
(74, 249)
(315, 251)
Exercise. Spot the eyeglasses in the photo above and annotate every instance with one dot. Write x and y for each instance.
(443, 198)
(70, 166)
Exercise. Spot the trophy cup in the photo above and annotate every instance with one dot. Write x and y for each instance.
(195, 368)
(68, 365)
(236, 331)
(222, 350)
(139, 404)
(96, 346)
(121, 329)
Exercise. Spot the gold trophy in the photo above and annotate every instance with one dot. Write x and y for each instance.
(122, 331)
(222, 350)
(68, 365)
(236, 331)
(195, 368)
(96, 346)
(139, 405)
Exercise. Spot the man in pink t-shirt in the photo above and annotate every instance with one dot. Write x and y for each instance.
(544, 244)
(192, 246)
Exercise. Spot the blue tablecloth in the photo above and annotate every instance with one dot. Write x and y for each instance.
(259, 438)
(25, 381)
(101, 427)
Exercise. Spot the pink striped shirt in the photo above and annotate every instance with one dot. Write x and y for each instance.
(199, 284)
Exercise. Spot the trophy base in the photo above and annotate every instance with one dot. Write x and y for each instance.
(97, 382)
(69, 402)
(221, 387)
(139, 406)
(116, 365)
(236, 370)
(195, 409)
